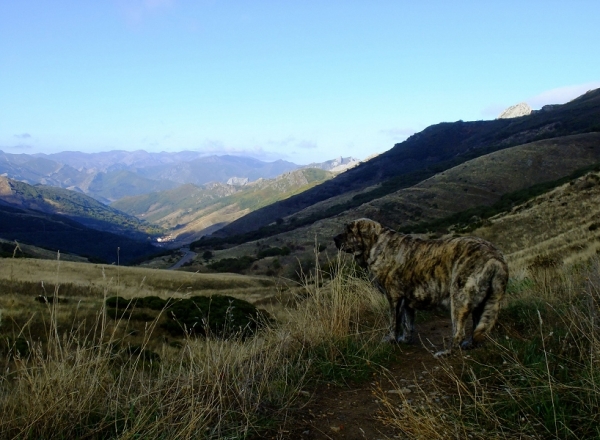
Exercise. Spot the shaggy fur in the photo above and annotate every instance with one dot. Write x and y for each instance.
(467, 272)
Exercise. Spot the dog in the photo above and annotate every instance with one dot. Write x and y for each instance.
(467, 273)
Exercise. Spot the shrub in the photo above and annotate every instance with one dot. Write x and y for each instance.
(273, 252)
(218, 315)
(235, 265)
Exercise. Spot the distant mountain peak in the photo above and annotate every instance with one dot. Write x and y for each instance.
(516, 111)
(336, 165)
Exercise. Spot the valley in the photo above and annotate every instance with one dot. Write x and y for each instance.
(265, 330)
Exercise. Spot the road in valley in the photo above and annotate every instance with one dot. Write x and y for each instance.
(187, 257)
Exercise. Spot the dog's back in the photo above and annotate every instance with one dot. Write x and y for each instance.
(429, 270)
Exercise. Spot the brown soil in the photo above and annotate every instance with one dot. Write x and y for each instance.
(350, 412)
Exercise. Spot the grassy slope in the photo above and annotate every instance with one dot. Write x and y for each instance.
(91, 279)
(485, 180)
(561, 225)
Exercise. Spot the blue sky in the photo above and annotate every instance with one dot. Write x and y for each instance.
(297, 80)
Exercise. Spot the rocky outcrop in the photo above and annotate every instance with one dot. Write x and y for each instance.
(238, 181)
(336, 165)
(516, 111)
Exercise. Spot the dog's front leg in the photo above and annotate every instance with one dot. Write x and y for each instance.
(405, 322)
(392, 335)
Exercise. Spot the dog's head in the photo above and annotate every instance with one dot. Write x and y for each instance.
(358, 238)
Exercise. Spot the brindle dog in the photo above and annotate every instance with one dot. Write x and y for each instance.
(467, 272)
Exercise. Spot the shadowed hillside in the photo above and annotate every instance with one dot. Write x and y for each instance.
(59, 219)
(58, 233)
(73, 205)
(435, 149)
(481, 182)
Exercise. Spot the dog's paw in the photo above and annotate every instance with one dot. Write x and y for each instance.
(468, 344)
(442, 353)
(404, 339)
(389, 338)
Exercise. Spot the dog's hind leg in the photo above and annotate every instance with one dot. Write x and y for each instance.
(459, 311)
(402, 321)
(487, 311)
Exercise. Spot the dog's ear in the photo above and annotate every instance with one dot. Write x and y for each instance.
(369, 227)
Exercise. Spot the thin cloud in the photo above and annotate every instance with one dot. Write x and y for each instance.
(493, 110)
(21, 147)
(397, 134)
(285, 142)
(291, 142)
(218, 148)
(561, 95)
(23, 136)
(136, 11)
(307, 145)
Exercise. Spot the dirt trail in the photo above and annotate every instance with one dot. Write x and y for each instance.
(350, 412)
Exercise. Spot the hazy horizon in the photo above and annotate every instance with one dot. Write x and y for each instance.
(303, 82)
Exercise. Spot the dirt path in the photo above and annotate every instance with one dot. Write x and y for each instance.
(350, 412)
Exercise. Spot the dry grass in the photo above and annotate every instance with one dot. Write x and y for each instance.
(561, 224)
(537, 379)
(131, 281)
(82, 381)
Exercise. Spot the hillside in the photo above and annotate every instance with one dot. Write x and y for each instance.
(59, 219)
(58, 233)
(561, 225)
(189, 211)
(74, 206)
(479, 182)
(116, 184)
(435, 149)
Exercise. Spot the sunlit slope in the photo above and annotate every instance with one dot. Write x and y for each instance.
(560, 226)
(437, 148)
(481, 181)
(190, 211)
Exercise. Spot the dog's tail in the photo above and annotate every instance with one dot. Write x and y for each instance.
(496, 279)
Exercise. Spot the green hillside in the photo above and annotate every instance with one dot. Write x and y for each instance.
(114, 185)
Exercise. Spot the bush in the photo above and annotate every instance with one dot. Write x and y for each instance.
(235, 265)
(218, 315)
(15, 346)
(273, 252)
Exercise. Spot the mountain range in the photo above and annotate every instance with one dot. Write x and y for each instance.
(450, 172)
(189, 211)
(110, 176)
